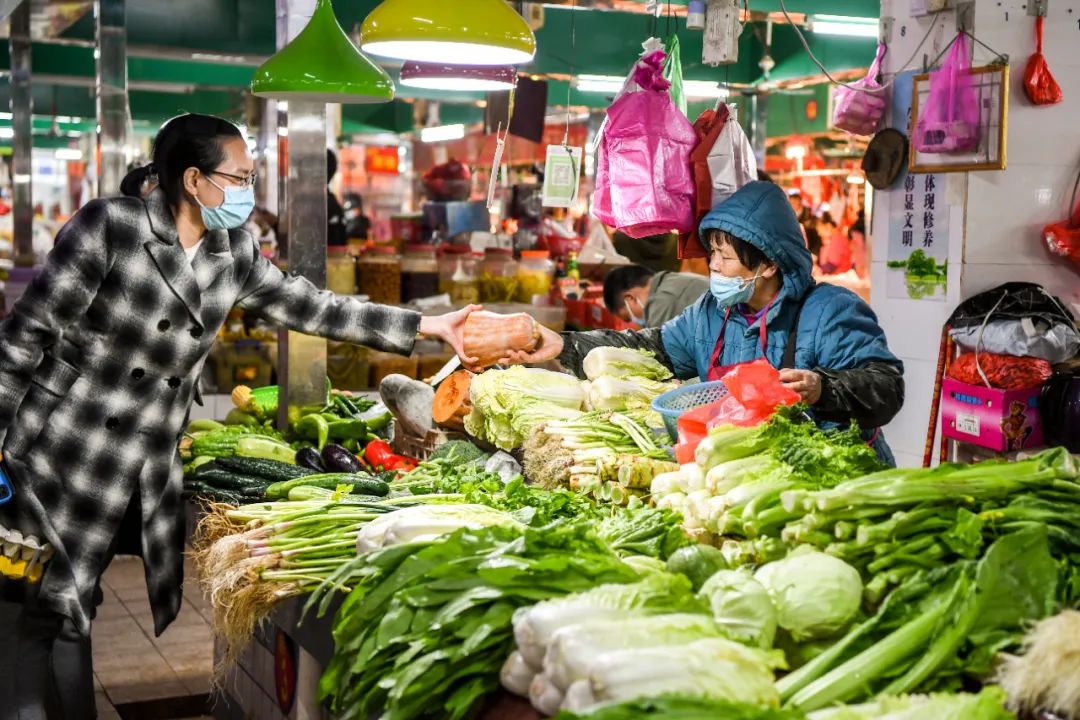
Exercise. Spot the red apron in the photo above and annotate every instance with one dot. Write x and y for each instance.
(717, 371)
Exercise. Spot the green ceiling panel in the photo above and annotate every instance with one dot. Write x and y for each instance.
(789, 113)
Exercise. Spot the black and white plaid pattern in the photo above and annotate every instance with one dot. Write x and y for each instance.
(98, 368)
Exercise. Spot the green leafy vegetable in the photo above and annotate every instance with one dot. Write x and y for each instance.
(815, 595)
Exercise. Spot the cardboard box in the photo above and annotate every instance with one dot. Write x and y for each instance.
(1001, 420)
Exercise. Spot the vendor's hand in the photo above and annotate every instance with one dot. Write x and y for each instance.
(805, 382)
(549, 348)
(451, 328)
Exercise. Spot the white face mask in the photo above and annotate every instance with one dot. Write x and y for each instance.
(637, 320)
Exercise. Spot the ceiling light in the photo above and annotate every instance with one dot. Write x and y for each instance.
(855, 179)
(844, 25)
(703, 89)
(7, 133)
(468, 78)
(459, 32)
(321, 64)
(442, 133)
(599, 83)
(68, 154)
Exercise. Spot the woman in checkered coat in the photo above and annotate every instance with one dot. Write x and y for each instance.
(99, 364)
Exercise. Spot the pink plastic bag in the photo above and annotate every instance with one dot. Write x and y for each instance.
(643, 181)
(859, 112)
(950, 121)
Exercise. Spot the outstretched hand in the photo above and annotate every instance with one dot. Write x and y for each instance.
(451, 329)
(549, 348)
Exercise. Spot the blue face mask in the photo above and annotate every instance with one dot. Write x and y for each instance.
(232, 212)
(639, 321)
(730, 291)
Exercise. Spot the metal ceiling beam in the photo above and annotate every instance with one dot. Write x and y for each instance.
(111, 91)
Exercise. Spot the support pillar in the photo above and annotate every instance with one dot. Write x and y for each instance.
(302, 213)
(23, 140)
(111, 86)
(758, 122)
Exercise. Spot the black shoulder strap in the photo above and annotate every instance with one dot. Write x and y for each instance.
(789, 350)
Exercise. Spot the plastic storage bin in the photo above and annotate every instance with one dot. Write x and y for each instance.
(340, 271)
(419, 273)
(380, 275)
(498, 276)
(536, 274)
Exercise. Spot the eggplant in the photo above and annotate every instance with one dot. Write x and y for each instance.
(338, 459)
(310, 458)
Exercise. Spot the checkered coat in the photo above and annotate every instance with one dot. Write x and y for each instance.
(99, 364)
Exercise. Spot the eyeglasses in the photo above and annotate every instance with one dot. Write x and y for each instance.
(244, 181)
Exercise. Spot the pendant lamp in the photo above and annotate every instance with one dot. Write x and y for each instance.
(321, 64)
(473, 78)
(458, 32)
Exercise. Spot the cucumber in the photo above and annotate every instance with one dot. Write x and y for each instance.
(226, 480)
(272, 470)
(363, 484)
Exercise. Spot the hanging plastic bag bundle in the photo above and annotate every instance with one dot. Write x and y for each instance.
(1063, 238)
(950, 121)
(859, 108)
(1039, 83)
(643, 181)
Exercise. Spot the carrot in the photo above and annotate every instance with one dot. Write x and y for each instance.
(451, 403)
(489, 337)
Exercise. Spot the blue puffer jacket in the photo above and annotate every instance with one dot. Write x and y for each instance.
(838, 333)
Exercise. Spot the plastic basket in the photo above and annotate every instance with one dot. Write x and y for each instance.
(675, 402)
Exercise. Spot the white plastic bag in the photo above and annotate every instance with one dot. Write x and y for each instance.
(731, 161)
(1028, 337)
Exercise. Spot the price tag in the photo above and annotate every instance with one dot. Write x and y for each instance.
(562, 170)
(967, 423)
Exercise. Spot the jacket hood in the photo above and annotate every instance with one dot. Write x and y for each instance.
(760, 214)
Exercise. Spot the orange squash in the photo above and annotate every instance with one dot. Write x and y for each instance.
(489, 337)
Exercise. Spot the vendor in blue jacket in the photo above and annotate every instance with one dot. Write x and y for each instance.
(763, 302)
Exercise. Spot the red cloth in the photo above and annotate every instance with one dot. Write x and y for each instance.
(707, 127)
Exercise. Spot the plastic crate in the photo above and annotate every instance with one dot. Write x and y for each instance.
(674, 403)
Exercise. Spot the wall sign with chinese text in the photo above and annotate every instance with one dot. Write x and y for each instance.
(918, 239)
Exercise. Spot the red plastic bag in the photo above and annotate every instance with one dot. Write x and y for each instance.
(756, 392)
(693, 428)
(1063, 238)
(950, 121)
(857, 111)
(1039, 83)
(644, 184)
(1004, 372)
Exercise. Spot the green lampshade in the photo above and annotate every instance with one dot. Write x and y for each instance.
(459, 32)
(321, 64)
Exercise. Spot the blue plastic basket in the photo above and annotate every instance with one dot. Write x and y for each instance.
(675, 402)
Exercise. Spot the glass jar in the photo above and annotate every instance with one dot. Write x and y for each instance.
(448, 264)
(498, 276)
(535, 274)
(419, 273)
(380, 275)
(465, 282)
(340, 271)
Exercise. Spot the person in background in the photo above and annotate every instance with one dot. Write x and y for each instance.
(763, 176)
(857, 235)
(763, 303)
(806, 220)
(835, 257)
(638, 295)
(357, 224)
(656, 252)
(335, 216)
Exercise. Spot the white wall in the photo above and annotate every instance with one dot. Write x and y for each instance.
(996, 222)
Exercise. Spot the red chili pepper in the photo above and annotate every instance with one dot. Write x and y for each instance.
(379, 454)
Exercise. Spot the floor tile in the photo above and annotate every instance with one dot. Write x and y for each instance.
(141, 691)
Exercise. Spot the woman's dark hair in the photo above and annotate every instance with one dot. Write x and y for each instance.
(331, 165)
(133, 182)
(827, 218)
(184, 142)
(751, 257)
(621, 280)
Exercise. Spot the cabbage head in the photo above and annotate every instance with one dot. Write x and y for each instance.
(816, 595)
(742, 607)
